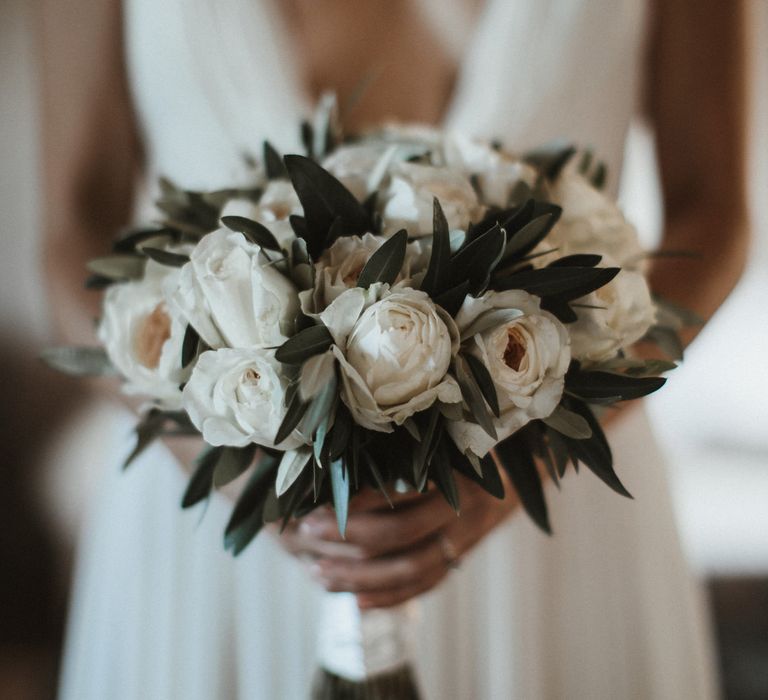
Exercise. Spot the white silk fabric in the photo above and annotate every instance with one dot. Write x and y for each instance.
(603, 610)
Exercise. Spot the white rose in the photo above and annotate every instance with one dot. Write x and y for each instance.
(624, 313)
(497, 172)
(143, 336)
(276, 205)
(231, 297)
(393, 354)
(527, 358)
(355, 164)
(591, 223)
(408, 201)
(236, 397)
(339, 267)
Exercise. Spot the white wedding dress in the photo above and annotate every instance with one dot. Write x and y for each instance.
(603, 610)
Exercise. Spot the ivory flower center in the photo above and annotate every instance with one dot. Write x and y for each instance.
(515, 351)
(154, 330)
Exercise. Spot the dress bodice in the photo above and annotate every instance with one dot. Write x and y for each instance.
(212, 80)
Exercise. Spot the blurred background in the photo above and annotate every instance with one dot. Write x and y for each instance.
(715, 433)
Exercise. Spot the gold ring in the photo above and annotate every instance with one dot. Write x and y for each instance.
(449, 551)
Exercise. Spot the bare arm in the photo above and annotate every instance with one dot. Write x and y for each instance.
(90, 151)
(697, 101)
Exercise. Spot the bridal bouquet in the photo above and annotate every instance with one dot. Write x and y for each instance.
(382, 311)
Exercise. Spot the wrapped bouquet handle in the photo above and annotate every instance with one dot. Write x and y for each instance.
(365, 654)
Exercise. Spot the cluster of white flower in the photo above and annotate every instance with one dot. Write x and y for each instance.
(394, 348)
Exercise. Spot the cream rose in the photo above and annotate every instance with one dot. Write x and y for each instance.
(232, 297)
(276, 205)
(622, 314)
(143, 335)
(408, 201)
(527, 357)
(236, 397)
(339, 268)
(497, 172)
(591, 223)
(393, 353)
(360, 167)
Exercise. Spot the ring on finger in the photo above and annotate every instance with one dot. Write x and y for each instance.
(449, 551)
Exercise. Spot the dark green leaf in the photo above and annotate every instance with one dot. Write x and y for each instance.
(78, 361)
(452, 299)
(254, 231)
(189, 346)
(385, 264)
(293, 415)
(515, 456)
(129, 242)
(340, 490)
(201, 481)
(340, 433)
(232, 463)
(474, 396)
(118, 267)
(600, 176)
(596, 385)
(578, 260)
(427, 423)
(568, 423)
(148, 430)
(248, 514)
(484, 381)
(437, 274)
(476, 261)
(530, 235)
(321, 406)
(594, 452)
(564, 282)
(308, 138)
(550, 158)
(306, 343)
(273, 163)
(323, 199)
(164, 257)
(441, 470)
(667, 339)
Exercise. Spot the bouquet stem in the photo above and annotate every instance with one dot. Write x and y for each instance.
(364, 654)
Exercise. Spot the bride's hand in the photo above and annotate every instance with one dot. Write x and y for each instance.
(393, 554)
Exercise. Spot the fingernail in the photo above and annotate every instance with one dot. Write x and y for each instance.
(363, 602)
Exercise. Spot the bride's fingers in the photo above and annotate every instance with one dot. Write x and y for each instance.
(395, 596)
(302, 545)
(384, 573)
(383, 532)
(373, 499)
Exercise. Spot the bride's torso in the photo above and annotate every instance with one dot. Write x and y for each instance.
(212, 80)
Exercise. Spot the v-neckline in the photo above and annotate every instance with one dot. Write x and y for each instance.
(301, 96)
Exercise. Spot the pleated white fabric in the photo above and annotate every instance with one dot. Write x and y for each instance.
(605, 609)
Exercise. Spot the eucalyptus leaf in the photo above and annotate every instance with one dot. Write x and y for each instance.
(595, 385)
(667, 339)
(233, 461)
(293, 463)
(568, 423)
(551, 158)
(438, 271)
(564, 282)
(164, 257)
(490, 319)
(341, 432)
(79, 361)
(484, 382)
(320, 406)
(340, 491)
(189, 346)
(515, 456)
(293, 415)
(254, 231)
(385, 264)
(273, 163)
(305, 344)
(316, 372)
(201, 482)
(118, 267)
(247, 517)
(526, 239)
(474, 397)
